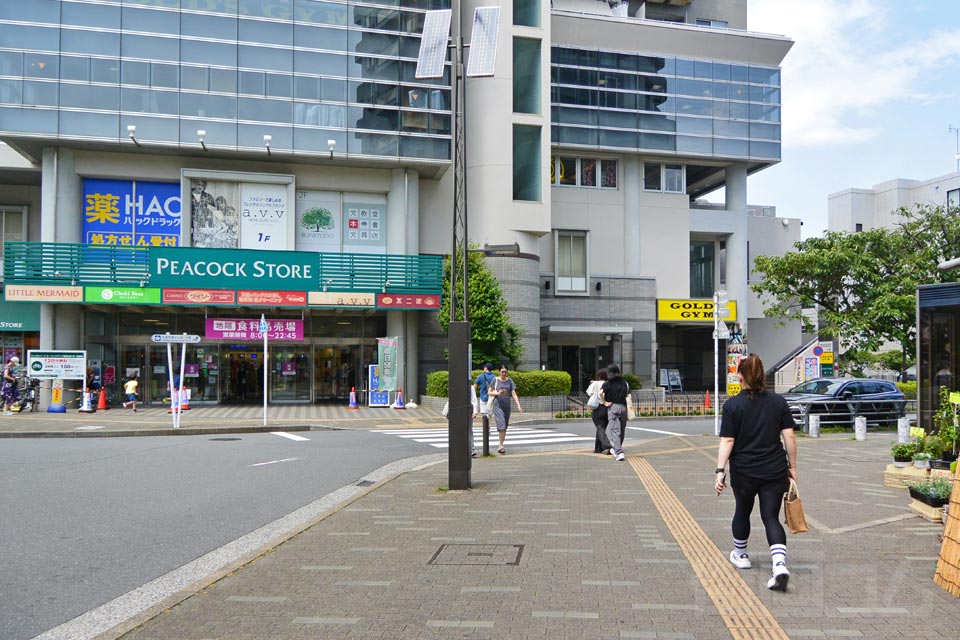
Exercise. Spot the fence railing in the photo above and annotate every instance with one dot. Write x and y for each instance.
(844, 412)
(648, 403)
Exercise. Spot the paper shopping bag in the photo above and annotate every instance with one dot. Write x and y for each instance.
(793, 509)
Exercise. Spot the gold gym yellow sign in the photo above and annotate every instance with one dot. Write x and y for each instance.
(694, 311)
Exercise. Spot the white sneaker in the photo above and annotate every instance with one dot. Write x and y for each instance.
(740, 560)
(8, 413)
(780, 577)
(620, 457)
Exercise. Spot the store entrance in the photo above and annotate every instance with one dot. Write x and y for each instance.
(336, 372)
(241, 374)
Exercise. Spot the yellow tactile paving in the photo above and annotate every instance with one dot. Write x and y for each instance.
(741, 610)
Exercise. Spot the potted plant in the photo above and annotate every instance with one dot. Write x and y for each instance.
(945, 422)
(903, 453)
(921, 460)
(934, 491)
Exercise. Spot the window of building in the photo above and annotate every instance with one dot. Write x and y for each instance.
(526, 13)
(701, 269)
(858, 227)
(571, 262)
(716, 24)
(570, 171)
(953, 198)
(526, 75)
(666, 177)
(13, 225)
(526, 163)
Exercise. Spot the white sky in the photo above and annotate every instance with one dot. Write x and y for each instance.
(870, 90)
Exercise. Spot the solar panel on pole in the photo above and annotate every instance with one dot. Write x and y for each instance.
(483, 42)
(433, 44)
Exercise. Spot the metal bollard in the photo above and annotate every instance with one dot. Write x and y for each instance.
(903, 430)
(860, 427)
(814, 426)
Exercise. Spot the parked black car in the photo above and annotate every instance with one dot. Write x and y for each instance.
(842, 399)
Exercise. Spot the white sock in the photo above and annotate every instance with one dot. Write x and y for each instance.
(740, 546)
(778, 554)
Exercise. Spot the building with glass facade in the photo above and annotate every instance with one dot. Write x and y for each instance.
(186, 165)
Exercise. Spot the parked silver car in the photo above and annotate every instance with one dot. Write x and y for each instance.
(838, 401)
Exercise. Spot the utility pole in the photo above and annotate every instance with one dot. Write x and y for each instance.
(956, 130)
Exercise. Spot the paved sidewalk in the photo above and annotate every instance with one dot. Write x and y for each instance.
(225, 419)
(575, 545)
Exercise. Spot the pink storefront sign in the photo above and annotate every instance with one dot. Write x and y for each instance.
(248, 329)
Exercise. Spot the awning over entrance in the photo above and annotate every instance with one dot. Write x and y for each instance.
(579, 331)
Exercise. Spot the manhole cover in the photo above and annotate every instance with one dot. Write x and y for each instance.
(478, 554)
(224, 439)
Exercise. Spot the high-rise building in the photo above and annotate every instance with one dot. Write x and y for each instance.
(186, 165)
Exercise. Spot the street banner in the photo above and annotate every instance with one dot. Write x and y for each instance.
(68, 365)
(387, 359)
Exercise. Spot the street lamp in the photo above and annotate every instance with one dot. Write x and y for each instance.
(720, 299)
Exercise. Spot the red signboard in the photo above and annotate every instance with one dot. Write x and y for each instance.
(272, 298)
(198, 296)
(408, 301)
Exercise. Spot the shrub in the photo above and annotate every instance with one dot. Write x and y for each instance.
(934, 487)
(904, 450)
(633, 380)
(909, 389)
(529, 383)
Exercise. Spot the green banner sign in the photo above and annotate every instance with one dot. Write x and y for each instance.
(234, 269)
(387, 359)
(121, 295)
(19, 316)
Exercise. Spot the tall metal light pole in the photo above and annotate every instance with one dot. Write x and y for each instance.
(430, 62)
(719, 300)
(956, 131)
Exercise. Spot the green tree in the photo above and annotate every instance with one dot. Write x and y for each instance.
(864, 284)
(494, 338)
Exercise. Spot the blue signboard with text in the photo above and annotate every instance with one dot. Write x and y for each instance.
(131, 213)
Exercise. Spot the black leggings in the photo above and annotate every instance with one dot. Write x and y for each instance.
(745, 490)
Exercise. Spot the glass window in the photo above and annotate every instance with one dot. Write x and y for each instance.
(164, 75)
(565, 171)
(526, 75)
(31, 11)
(619, 119)
(207, 26)
(146, 101)
(526, 13)
(620, 139)
(588, 172)
(333, 90)
(104, 70)
(223, 80)
(253, 83)
(328, 64)
(658, 141)
(11, 91)
(277, 9)
(701, 269)
(11, 63)
(306, 88)
(24, 37)
(217, 53)
(433, 148)
(279, 85)
(41, 94)
(316, 37)
(953, 198)
(75, 68)
(673, 178)
(762, 75)
(608, 174)
(373, 68)
(151, 20)
(765, 149)
(89, 96)
(149, 47)
(373, 144)
(689, 144)
(571, 265)
(280, 33)
(652, 174)
(264, 110)
(577, 135)
(319, 11)
(88, 15)
(208, 105)
(194, 78)
(135, 73)
(86, 123)
(685, 68)
(724, 147)
(264, 58)
(526, 163)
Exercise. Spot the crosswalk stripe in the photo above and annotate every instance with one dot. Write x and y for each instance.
(439, 437)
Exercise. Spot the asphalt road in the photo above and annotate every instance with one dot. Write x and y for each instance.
(83, 521)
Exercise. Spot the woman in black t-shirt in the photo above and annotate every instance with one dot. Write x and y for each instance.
(750, 439)
(613, 395)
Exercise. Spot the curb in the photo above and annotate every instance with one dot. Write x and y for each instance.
(191, 431)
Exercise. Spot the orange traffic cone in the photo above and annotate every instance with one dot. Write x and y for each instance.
(398, 403)
(102, 402)
(353, 400)
(185, 399)
(706, 401)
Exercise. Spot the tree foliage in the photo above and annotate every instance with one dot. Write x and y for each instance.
(318, 218)
(494, 338)
(864, 284)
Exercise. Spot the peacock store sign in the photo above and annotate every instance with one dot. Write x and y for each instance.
(233, 269)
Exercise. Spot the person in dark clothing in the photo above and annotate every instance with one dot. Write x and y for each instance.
(599, 415)
(753, 424)
(613, 395)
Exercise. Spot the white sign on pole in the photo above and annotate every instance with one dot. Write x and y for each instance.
(68, 365)
(264, 329)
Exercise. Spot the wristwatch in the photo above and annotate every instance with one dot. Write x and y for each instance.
(720, 470)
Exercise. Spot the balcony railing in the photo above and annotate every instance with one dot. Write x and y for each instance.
(55, 263)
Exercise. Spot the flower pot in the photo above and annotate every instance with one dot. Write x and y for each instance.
(901, 462)
(921, 464)
(940, 464)
(927, 499)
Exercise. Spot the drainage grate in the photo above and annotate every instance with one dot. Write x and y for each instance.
(224, 439)
(498, 555)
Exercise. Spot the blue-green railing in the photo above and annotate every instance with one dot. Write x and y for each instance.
(99, 265)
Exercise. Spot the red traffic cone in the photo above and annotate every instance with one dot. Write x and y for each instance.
(102, 402)
(706, 401)
(398, 403)
(353, 400)
(185, 399)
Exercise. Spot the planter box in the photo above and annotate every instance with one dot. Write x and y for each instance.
(925, 511)
(940, 464)
(930, 500)
(895, 477)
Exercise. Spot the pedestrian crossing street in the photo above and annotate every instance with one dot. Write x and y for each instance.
(515, 436)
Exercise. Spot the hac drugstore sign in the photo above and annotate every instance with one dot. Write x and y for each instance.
(233, 269)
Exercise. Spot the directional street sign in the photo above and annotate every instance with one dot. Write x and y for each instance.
(172, 338)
